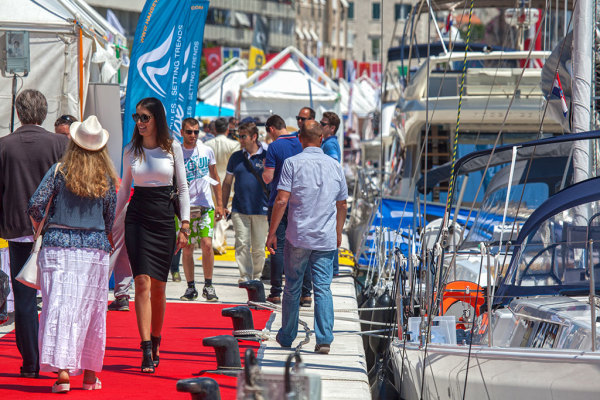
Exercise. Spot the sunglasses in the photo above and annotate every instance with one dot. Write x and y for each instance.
(192, 131)
(242, 136)
(299, 118)
(141, 117)
(324, 124)
(64, 119)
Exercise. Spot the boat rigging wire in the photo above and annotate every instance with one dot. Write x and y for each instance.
(483, 249)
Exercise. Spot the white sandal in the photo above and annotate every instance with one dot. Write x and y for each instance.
(93, 386)
(61, 387)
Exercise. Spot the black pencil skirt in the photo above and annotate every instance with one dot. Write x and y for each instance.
(150, 231)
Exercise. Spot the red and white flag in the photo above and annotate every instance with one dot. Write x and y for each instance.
(213, 59)
(557, 90)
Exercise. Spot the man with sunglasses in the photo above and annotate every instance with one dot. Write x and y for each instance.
(330, 123)
(63, 124)
(201, 174)
(249, 206)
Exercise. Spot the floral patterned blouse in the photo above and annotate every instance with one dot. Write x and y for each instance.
(68, 238)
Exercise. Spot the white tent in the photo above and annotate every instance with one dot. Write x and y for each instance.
(222, 87)
(288, 88)
(68, 49)
(364, 96)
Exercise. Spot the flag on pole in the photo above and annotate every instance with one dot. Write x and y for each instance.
(157, 61)
(448, 23)
(230, 52)
(258, 48)
(213, 59)
(557, 90)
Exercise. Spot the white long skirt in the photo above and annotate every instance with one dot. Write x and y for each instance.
(74, 285)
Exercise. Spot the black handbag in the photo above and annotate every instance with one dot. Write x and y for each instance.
(175, 197)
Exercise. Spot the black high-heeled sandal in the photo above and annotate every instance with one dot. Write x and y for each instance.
(147, 364)
(155, 343)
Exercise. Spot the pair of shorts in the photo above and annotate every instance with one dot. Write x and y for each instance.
(202, 223)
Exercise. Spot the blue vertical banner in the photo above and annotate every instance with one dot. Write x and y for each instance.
(165, 30)
(193, 55)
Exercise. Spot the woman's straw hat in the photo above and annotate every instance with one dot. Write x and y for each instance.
(89, 134)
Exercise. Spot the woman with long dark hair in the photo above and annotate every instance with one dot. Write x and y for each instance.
(153, 160)
(75, 255)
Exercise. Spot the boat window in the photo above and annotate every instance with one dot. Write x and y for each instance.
(557, 252)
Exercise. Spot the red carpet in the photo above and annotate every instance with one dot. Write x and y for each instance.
(182, 355)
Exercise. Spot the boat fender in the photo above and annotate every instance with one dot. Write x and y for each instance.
(379, 344)
(366, 315)
(383, 387)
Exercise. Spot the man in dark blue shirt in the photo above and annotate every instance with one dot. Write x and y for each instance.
(284, 145)
(249, 207)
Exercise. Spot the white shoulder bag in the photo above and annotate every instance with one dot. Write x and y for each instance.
(30, 273)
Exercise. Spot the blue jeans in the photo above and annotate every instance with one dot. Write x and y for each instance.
(277, 261)
(296, 261)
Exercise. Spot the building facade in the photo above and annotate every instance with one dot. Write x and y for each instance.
(229, 23)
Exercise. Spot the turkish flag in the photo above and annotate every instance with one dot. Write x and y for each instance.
(213, 59)
(364, 68)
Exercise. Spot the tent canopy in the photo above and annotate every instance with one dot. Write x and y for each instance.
(55, 70)
(364, 96)
(229, 77)
(283, 88)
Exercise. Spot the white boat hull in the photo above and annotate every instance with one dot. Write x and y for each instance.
(495, 373)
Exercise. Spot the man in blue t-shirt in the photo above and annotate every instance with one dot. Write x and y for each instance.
(249, 206)
(330, 122)
(284, 145)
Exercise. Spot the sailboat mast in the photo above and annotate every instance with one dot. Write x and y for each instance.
(582, 65)
(581, 84)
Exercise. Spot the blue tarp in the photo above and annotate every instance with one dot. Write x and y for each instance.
(397, 215)
(204, 110)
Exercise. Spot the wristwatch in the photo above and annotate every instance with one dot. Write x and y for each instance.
(186, 231)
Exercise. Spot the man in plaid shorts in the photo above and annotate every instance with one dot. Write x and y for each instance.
(201, 174)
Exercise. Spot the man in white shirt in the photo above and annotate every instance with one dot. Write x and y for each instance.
(201, 175)
(223, 148)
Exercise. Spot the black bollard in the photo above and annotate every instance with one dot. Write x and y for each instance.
(242, 319)
(255, 289)
(200, 388)
(227, 351)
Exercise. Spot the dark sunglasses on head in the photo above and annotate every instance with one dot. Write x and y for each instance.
(64, 119)
(141, 117)
(299, 118)
(192, 131)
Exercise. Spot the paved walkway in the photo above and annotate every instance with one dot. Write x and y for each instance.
(343, 371)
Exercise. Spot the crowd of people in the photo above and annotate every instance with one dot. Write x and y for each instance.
(286, 193)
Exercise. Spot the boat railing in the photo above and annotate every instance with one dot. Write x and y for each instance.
(484, 80)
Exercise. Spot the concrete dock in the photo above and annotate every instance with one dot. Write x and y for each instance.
(342, 372)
